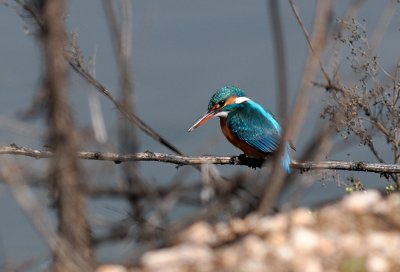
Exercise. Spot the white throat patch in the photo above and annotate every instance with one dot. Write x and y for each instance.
(222, 114)
(242, 99)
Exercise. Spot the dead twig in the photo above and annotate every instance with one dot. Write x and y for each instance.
(76, 62)
(13, 174)
(65, 173)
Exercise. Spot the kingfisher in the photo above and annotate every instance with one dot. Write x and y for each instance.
(246, 124)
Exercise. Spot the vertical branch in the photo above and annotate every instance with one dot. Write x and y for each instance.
(96, 115)
(317, 46)
(338, 49)
(280, 58)
(387, 14)
(65, 172)
(121, 36)
(13, 174)
(395, 101)
(307, 36)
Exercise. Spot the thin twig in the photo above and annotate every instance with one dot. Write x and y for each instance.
(14, 176)
(78, 66)
(307, 36)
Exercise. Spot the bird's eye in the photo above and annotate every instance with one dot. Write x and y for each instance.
(221, 103)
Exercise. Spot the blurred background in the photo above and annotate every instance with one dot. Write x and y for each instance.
(182, 52)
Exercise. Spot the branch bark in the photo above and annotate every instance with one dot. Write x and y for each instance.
(78, 65)
(198, 160)
(280, 58)
(121, 31)
(317, 46)
(65, 173)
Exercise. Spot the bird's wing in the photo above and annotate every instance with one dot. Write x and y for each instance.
(256, 126)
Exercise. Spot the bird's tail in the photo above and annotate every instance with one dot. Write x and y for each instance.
(286, 160)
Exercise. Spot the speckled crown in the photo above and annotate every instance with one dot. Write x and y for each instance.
(224, 93)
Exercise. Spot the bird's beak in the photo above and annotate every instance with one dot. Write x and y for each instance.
(207, 116)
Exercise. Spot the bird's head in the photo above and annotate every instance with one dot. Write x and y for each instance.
(221, 103)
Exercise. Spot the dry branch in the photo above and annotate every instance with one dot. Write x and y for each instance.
(75, 60)
(280, 57)
(121, 30)
(198, 160)
(303, 100)
(13, 174)
(64, 174)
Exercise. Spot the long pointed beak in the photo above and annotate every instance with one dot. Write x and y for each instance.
(206, 116)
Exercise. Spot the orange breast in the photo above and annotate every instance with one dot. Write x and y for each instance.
(247, 149)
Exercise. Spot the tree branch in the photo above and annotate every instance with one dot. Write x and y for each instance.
(198, 160)
(280, 58)
(77, 63)
(301, 107)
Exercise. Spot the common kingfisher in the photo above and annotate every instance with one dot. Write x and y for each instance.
(245, 124)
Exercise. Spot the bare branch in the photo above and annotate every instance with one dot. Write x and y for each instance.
(317, 44)
(307, 36)
(128, 115)
(65, 173)
(14, 176)
(79, 67)
(280, 58)
(121, 35)
(198, 160)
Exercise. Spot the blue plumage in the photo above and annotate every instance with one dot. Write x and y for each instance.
(246, 124)
(257, 127)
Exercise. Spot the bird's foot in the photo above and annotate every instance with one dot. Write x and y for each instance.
(250, 161)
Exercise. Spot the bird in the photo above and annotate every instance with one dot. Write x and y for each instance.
(246, 124)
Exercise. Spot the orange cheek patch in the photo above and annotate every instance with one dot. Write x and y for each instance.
(231, 100)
